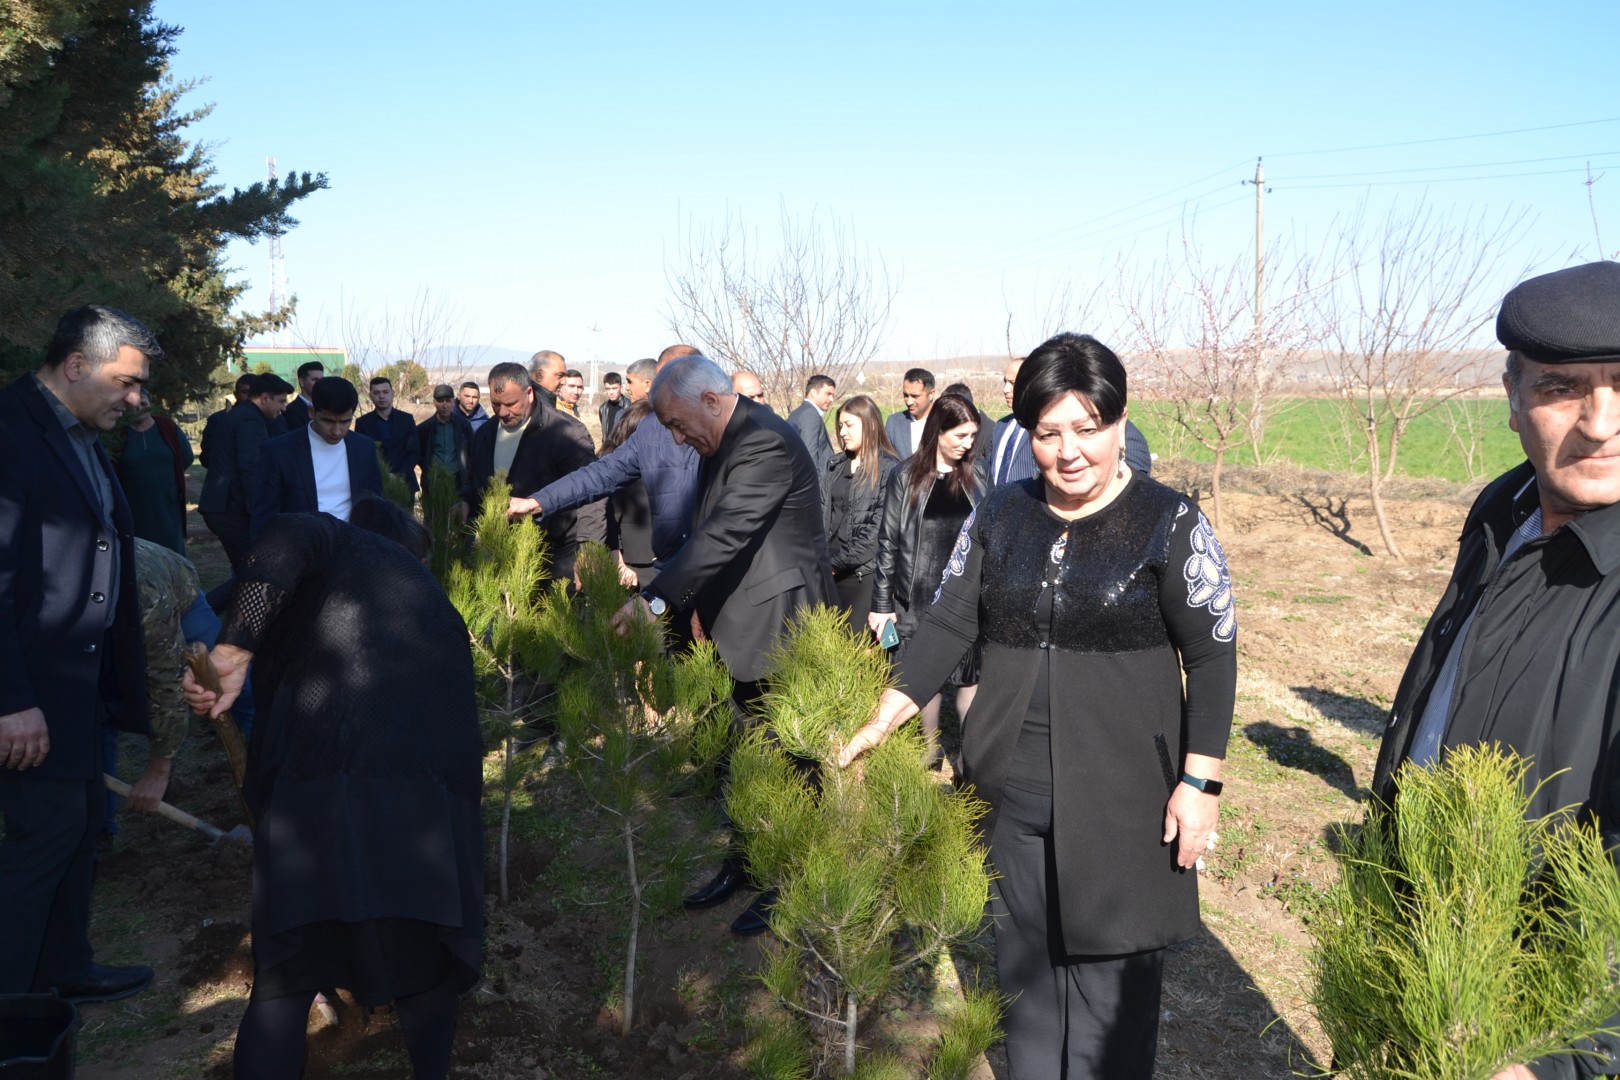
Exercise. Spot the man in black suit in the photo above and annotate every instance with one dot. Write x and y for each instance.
(226, 502)
(757, 553)
(613, 403)
(533, 446)
(70, 645)
(297, 414)
(393, 430)
(322, 467)
(904, 428)
(216, 420)
(809, 419)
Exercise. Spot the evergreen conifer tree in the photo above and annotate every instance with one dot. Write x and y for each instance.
(877, 867)
(636, 726)
(1463, 937)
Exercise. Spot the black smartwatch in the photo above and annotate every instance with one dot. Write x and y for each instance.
(655, 603)
(1208, 787)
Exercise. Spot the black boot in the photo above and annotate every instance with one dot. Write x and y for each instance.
(719, 890)
(755, 918)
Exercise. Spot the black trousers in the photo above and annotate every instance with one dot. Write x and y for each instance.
(1073, 1017)
(855, 597)
(232, 530)
(46, 855)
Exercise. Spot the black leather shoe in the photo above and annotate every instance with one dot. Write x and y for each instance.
(717, 891)
(755, 917)
(106, 984)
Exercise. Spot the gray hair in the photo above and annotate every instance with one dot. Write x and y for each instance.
(1514, 372)
(542, 359)
(642, 369)
(99, 332)
(688, 378)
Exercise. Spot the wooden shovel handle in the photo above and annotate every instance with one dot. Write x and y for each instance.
(173, 813)
(224, 725)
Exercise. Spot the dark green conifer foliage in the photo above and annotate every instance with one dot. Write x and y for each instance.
(438, 498)
(878, 866)
(1462, 937)
(635, 726)
(102, 197)
(498, 592)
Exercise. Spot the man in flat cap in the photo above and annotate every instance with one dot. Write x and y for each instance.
(1523, 648)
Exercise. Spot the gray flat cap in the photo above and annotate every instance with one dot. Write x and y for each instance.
(1567, 317)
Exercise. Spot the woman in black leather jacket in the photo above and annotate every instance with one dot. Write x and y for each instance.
(927, 500)
(852, 503)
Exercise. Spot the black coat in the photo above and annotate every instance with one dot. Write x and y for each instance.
(808, 421)
(428, 430)
(552, 446)
(233, 449)
(1141, 596)
(898, 536)
(284, 482)
(55, 545)
(854, 541)
(365, 767)
(397, 437)
(757, 552)
(296, 415)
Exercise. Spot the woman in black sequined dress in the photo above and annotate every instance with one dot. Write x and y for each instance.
(928, 498)
(1092, 591)
(364, 773)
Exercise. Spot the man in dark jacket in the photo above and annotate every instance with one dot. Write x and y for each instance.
(323, 466)
(758, 550)
(298, 409)
(1521, 649)
(392, 429)
(810, 419)
(668, 472)
(216, 420)
(467, 405)
(444, 437)
(613, 403)
(226, 502)
(70, 645)
(533, 446)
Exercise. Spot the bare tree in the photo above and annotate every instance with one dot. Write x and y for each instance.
(814, 304)
(399, 342)
(1194, 334)
(1404, 323)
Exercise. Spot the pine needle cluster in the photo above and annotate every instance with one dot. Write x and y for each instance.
(439, 497)
(877, 866)
(636, 726)
(1462, 936)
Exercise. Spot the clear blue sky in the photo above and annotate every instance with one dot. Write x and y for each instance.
(537, 165)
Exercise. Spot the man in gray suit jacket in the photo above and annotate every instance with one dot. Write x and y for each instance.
(757, 553)
(810, 419)
(917, 391)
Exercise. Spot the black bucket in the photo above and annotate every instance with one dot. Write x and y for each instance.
(36, 1037)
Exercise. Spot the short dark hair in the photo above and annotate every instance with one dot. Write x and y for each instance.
(613, 378)
(572, 374)
(816, 382)
(244, 384)
(99, 332)
(309, 366)
(1070, 364)
(469, 385)
(509, 372)
(375, 379)
(918, 374)
(393, 522)
(269, 383)
(962, 390)
(334, 394)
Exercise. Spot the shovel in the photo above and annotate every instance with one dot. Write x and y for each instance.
(224, 725)
(239, 835)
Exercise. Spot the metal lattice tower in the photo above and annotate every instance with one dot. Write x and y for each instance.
(278, 262)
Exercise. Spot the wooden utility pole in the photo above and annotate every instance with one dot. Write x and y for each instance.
(1259, 183)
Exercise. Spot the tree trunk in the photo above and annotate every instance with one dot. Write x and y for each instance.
(851, 1007)
(1375, 488)
(1396, 427)
(506, 817)
(635, 929)
(1215, 489)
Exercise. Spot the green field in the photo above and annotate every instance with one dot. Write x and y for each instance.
(1461, 441)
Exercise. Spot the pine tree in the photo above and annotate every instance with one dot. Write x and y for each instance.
(498, 593)
(439, 497)
(877, 866)
(636, 726)
(105, 200)
(1463, 937)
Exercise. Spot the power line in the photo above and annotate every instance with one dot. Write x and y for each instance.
(1448, 138)
(1439, 180)
(1475, 165)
